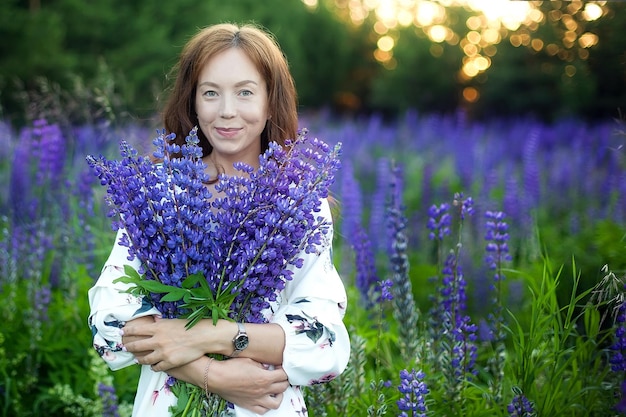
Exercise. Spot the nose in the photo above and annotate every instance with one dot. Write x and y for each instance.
(227, 108)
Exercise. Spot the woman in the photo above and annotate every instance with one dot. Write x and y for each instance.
(234, 84)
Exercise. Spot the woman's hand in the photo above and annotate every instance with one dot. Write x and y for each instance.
(161, 343)
(242, 381)
(129, 339)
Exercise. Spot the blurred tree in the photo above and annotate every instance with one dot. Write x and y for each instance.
(419, 80)
(556, 71)
(120, 52)
(32, 46)
(607, 63)
(139, 42)
(518, 84)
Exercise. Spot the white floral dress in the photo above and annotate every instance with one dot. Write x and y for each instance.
(310, 310)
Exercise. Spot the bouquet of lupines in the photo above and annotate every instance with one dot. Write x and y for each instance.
(221, 257)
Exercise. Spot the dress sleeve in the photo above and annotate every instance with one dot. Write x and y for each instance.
(111, 308)
(317, 345)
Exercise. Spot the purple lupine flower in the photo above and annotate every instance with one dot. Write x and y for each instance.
(497, 249)
(465, 351)
(532, 187)
(450, 327)
(366, 274)
(50, 152)
(455, 325)
(384, 289)
(83, 190)
(439, 221)
(377, 205)
(404, 309)
(244, 242)
(520, 406)
(23, 206)
(278, 213)
(413, 390)
(485, 331)
(466, 204)
(511, 199)
(109, 400)
(618, 348)
(497, 238)
(351, 201)
(452, 290)
(618, 353)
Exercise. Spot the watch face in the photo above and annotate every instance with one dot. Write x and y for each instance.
(241, 342)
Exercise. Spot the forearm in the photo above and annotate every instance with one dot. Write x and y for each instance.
(266, 341)
(193, 372)
(166, 343)
(242, 381)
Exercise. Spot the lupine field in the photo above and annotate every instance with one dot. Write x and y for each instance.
(484, 263)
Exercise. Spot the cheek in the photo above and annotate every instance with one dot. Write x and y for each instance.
(255, 114)
(205, 113)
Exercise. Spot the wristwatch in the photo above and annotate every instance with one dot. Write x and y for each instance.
(240, 342)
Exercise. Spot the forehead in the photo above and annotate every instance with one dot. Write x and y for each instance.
(230, 65)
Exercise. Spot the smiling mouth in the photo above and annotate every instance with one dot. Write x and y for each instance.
(229, 132)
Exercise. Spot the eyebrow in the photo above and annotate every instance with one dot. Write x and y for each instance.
(237, 84)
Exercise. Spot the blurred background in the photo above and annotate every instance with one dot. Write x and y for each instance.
(490, 58)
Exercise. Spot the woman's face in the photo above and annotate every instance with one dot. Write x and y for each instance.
(232, 108)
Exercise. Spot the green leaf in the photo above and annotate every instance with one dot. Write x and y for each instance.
(132, 272)
(174, 295)
(156, 287)
(192, 280)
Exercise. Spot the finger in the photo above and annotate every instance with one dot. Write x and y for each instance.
(273, 401)
(149, 359)
(160, 367)
(141, 345)
(135, 331)
(278, 387)
(279, 375)
(141, 355)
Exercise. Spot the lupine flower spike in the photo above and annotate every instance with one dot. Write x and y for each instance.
(497, 249)
(413, 390)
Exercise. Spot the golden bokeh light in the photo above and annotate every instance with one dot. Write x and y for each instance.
(380, 28)
(385, 43)
(382, 56)
(592, 12)
(510, 14)
(474, 22)
(587, 40)
(428, 13)
(438, 33)
(490, 36)
(570, 70)
(494, 21)
(474, 37)
(470, 94)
